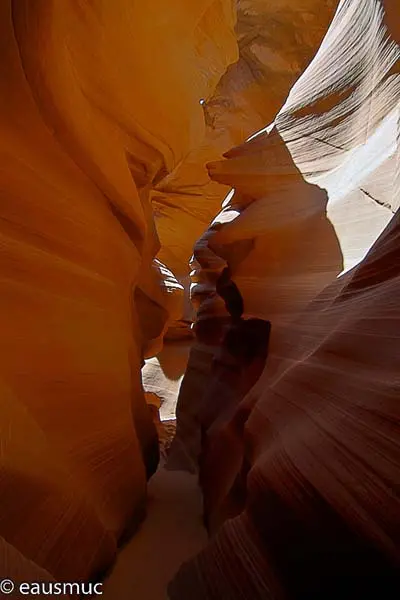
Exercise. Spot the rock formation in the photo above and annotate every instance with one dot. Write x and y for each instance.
(123, 127)
(277, 40)
(328, 160)
(322, 442)
(98, 102)
(306, 466)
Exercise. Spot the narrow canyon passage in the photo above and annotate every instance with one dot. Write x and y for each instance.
(173, 529)
(172, 533)
(200, 299)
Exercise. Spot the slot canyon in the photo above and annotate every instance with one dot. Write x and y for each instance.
(200, 299)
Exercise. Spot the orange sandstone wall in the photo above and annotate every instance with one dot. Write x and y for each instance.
(277, 40)
(98, 100)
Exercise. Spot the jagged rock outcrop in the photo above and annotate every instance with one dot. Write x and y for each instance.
(99, 100)
(322, 441)
(307, 465)
(276, 44)
(327, 161)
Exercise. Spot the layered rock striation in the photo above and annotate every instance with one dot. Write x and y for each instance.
(99, 100)
(300, 474)
(110, 112)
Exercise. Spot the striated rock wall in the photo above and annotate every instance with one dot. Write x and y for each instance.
(307, 462)
(276, 40)
(98, 101)
(314, 189)
(103, 146)
(321, 440)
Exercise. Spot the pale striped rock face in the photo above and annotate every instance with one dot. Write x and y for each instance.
(305, 470)
(276, 42)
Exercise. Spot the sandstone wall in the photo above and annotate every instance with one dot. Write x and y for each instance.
(321, 453)
(276, 40)
(98, 101)
(307, 465)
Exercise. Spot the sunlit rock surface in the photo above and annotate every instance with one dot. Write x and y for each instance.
(277, 41)
(162, 375)
(98, 101)
(307, 465)
(312, 191)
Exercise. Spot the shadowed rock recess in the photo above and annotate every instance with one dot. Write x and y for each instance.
(200, 287)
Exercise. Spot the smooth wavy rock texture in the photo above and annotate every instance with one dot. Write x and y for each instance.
(312, 191)
(321, 515)
(98, 101)
(307, 463)
(276, 40)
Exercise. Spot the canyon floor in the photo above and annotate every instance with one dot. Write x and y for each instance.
(172, 531)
